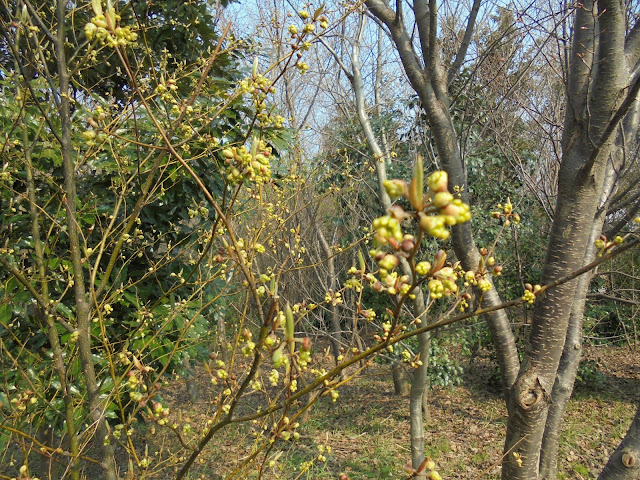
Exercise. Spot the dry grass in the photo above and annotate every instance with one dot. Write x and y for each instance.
(368, 428)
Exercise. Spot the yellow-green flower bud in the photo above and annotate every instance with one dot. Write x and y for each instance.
(442, 199)
(438, 181)
(423, 268)
(389, 262)
(395, 188)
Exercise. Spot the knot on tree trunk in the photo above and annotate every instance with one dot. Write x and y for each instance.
(529, 391)
(628, 459)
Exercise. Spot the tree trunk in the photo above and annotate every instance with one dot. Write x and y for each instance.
(624, 463)
(336, 330)
(400, 386)
(532, 392)
(570, 360)
(583, 177)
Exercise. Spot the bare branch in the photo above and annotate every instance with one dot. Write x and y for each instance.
(466, 41)
(613, 298)
(612, 125)
(632, 45)
(412, 64)
(610, 75)
(580, 65)
(421, 12)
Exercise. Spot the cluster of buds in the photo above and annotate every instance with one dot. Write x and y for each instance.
(387, 228)
(449, 210)
(249, 346)
(165, 90)
(604, 245)
(103, 27)
(94, 135)
(299, 35)
(23, 400)
(304, 354)
(436, 211)
(24, 474)
(198, 211)
(389, 280)
(444, 279)
(136, 381)
(258, 86)
(283, 352)
(5, 173)
(506, 213)
(157, 413)
(486, 266)
(268, 119)
(530, 292)
(243, 164)
(285, 430)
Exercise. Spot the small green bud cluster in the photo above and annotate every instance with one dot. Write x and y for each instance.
(386, 227)
(530, 293)
(443, 283)
(506, 213)
(443, 278)
(353, 284)
(244, 165)
(5, 173)
(165, 90)
(436, 211)
(259, 86)
(604, 245)
(198, 211)
(137, 379)
(427, 468)
(158, 413)
(283, 352)
(299, 36)
(92, 137)
(304, 354)
(449, 210)
(249, 346)
(334, 298)
(396, 188)
(486, 267)
(103, 28)
(24, 473)
(390, 281)
(94, 134)
(23, 400)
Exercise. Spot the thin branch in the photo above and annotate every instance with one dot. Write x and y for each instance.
(631, 97)
(603, 296)
(466, 41)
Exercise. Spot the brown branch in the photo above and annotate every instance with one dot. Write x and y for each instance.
(466, 41)
(612, 298)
